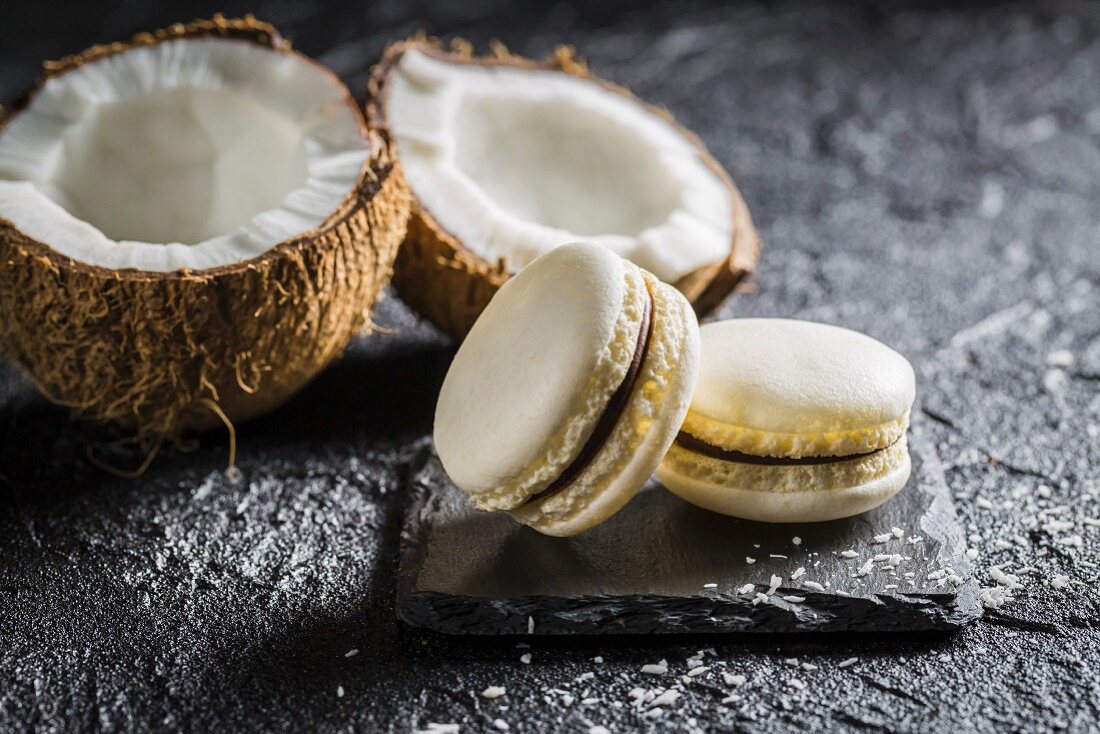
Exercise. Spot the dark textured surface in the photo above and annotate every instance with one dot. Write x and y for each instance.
(647, 570)
(926, 175)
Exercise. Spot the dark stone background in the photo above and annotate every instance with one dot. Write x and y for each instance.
(927, 174)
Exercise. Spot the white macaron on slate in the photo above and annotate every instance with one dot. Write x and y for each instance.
(569, 390)
(793, 421)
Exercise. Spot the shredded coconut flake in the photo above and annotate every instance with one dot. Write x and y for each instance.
(493, 692)
(846, 663)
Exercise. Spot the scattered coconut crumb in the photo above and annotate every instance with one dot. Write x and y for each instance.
(434, 728)
(598, 659)
(665, 699)
(798, 573)
(796, 684)
(983, 503)
(846, 663)
(699, 670)
(710, 586)
(1059, 581)
(1060, 358)
(746, 589)
(883, 537)
(945, 658)
(813, 585)
(866, 567)
(525, 658)
(849, 554)
(351, 653)
(530, 625)
(897, 532)
(995, 597)
(732, 679)
(493, 692)
(500, 724)
(775, 555)
(339, 691)
(796, 540)
(793, 662)
(972, 554)
(759, 598)
(656, 668)
(1043, 491)
(794, 599)
(598, 730)
(750, 559)
(809, 666)
(774, 585)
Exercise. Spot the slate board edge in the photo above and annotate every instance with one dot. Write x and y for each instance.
(603, 615)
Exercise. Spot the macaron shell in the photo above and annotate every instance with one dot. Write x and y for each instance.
(644, 432)
(782, 494)
(781, 387)
(534, 374)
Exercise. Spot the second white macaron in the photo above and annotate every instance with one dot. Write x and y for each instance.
(793, 421)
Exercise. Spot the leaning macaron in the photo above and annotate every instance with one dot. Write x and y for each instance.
(793, 421)
(568, 391)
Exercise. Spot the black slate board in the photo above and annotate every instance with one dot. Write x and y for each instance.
(645, 570)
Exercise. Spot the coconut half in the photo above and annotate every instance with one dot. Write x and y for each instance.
(508, 158)
(192, 224)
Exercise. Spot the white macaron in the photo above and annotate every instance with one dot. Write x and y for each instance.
(793, 421)
(569, 390)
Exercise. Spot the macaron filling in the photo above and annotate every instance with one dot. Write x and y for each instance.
(611, 414)
(699, 446)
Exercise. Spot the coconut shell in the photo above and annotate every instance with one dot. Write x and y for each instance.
(159, 353)
(450, 284)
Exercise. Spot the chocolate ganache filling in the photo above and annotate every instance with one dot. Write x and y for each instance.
(611, 414)
(691, 443)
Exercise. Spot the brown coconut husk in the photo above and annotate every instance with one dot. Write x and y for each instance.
(451, 284)
(160, 353)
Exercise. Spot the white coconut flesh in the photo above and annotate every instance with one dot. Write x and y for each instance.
(192, 153)
(514, 162)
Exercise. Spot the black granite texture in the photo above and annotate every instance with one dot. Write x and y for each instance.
(927, 173)
(646, 570)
